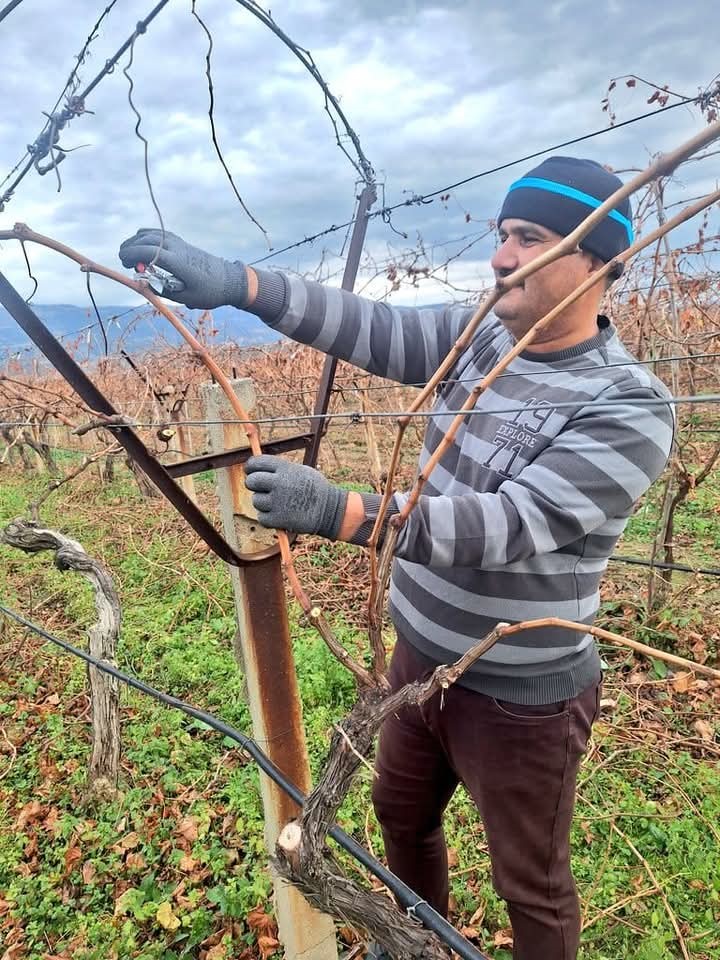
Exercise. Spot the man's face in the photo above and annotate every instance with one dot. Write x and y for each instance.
(520, 242)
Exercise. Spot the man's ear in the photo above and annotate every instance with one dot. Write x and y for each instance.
(593, 263)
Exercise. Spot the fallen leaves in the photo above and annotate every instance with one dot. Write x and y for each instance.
(682, 682)
(704, 730)
(128, 842)
(187, 863)
(265, 930)
(135, 861)
(30, 813)
(187, 828)
(503, 938)
(72, 856)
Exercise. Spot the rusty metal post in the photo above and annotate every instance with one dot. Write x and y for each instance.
(322, 400)
(264, 651)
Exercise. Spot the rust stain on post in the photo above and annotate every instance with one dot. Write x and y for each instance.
(267, 618)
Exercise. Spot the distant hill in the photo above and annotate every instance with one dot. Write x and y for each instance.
(134, 328)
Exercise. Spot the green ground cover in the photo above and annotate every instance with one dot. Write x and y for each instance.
(175, 867)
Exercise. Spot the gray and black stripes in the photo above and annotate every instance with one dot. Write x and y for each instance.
(521, 513)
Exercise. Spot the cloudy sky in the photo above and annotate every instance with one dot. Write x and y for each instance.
(436, 92)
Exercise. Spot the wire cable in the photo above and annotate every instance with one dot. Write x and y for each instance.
(9, 8)
(357, 416)
(417, 199)
(681, 567)
(213, 131)
(407, 897)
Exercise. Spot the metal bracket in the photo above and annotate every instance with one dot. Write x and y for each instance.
(89, 393)
(215, 461)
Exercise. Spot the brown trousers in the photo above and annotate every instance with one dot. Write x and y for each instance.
(519, 764)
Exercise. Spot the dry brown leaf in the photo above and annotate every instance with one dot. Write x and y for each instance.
(88, 871)
(14, 953)
(682, 682)
(265, 930)
(50, 821)
(128, 842)
(704, 730)
(348, 935)
(503, 938)
(30, 812)
(218, 952)
(31, 847)
(587, 832)
(453, 858)
(698, 647)
(188, 829)
(267, 946)
(470, 933)
(72, 855)
(215, 938)
(261, 922)
(479, 914)
(187, 863)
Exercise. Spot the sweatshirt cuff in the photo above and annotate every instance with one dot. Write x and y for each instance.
(272, 297)
(371, 503)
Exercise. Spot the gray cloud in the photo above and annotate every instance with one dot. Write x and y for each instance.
(436, 91)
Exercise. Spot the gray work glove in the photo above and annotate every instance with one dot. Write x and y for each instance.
(290, 496)
(209, 281)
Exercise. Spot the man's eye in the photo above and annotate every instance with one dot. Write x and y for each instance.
(530, 238)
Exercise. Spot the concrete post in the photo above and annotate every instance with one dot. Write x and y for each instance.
(183, 444)
(263, 649)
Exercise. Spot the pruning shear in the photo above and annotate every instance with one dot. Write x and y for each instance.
(168, 283)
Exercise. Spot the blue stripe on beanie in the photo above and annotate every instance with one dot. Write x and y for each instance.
(557, 194)
(539, 184)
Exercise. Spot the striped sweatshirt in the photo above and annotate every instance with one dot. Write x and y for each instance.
(519, 517)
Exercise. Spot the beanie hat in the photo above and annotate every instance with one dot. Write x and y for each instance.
(561, 192)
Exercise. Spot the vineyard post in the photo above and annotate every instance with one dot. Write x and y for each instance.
(184, 447)
(263, 648)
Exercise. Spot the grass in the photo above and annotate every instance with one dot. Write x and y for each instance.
(175, 866)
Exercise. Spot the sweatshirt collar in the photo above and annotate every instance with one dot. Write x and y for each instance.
(605, 333)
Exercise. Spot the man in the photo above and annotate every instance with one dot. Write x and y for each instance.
(516, 522)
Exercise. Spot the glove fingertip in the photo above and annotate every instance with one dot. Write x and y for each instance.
(251, 481)
(265, 462)
(262, 502)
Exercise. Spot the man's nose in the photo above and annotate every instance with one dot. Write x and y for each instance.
(505, 257)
